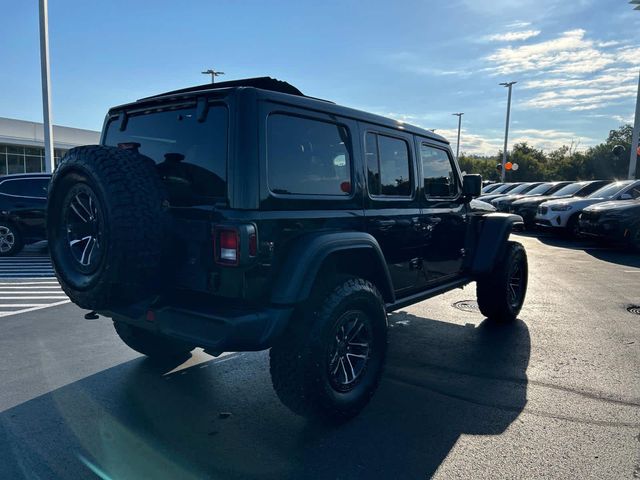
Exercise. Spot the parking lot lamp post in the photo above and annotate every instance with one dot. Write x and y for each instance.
(509, 85)
(46, 94)
(459, 115)
(633, 159)
(213, 74)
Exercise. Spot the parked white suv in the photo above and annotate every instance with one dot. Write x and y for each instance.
(563, 214)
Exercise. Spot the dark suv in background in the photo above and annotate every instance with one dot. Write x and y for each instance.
(23, 200)
(246, 215)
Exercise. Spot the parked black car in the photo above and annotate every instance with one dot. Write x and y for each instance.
(490, 187)
(617, 222)
(503, 204)
(23, 199)
(527, 207)
(245, 216)
(508, 189)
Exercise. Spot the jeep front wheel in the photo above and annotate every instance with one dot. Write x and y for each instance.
(329, 363)
(502, 292)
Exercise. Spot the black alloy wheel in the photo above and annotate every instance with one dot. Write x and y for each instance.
(516, 286)
(349, 353)
(84, 225)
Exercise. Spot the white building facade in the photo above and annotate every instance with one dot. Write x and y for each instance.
(22, 144)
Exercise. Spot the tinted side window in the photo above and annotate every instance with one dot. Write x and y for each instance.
(307, 156)
(388, 166)
(634, 192)
(437, 172)
(25, 187)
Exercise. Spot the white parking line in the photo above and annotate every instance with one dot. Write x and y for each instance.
(25, 310)
(54, 282)
(4, 286)
(33, 298)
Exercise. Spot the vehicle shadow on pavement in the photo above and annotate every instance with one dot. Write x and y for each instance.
(221, 418)
(617, 254)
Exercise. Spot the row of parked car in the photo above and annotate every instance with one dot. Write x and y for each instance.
(604, 209)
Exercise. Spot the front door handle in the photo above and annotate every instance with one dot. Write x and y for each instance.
(384, 224)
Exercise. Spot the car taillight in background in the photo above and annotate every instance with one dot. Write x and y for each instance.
(235, 245)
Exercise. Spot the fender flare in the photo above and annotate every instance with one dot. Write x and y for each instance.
(492, 239)
(297, 273)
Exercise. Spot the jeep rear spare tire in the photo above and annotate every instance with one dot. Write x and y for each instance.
(106, 225)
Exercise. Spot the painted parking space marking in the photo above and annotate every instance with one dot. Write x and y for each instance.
(28, 263)
(28, 283)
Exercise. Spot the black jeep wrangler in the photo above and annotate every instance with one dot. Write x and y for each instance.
(245, 215)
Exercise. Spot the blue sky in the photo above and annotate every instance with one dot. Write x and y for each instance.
(576, 62)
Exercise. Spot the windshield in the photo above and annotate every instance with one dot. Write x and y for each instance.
(505, 188)
(524, 188)
(541, 189)
(610, 190)
(491, 188)
(570, 189)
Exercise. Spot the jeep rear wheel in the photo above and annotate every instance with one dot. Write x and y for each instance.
(106, 225)
(329, 363)
(151, 344)
(501, 293)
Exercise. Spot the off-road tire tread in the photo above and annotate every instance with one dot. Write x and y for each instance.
(289, 363)
(490, 289)
(133, 197)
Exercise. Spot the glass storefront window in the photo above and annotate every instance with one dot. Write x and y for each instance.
(15, 163)
(33, 164)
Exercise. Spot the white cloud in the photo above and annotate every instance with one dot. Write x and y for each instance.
(569, 53)
(513, 36)
(578, 73)
(518, 25)
(476, 144)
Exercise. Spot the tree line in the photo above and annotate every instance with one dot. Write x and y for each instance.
(595, 163)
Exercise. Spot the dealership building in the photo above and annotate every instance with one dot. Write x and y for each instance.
(22, 144)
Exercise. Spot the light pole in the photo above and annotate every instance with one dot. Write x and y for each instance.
(46, 99)
(459, 115)
(213, 74)
(633, 159)
(509, 85)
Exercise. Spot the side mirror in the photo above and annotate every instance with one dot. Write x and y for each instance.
(471, 186)
(626, 196)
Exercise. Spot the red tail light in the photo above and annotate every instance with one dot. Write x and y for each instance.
(227, 247)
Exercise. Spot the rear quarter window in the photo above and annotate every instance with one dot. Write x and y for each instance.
(307, 156)
(25, 187)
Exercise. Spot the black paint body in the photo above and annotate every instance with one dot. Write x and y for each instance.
(412, 248)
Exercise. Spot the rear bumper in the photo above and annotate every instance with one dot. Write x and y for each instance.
(216, 328)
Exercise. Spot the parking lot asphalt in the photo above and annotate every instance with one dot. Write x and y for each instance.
(555, 395)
